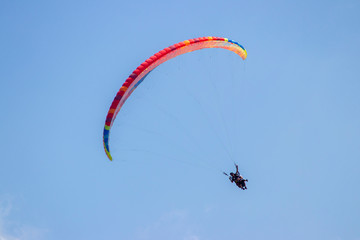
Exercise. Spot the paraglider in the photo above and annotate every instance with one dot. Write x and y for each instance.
(239, 180)
(139, 74)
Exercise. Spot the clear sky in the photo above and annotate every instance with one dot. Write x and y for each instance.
(289, 116)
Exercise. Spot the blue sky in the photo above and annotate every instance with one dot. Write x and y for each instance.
(289, 116)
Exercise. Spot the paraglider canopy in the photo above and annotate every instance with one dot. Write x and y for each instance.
(139, 74)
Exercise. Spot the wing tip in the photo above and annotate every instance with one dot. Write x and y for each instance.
(108, 155)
